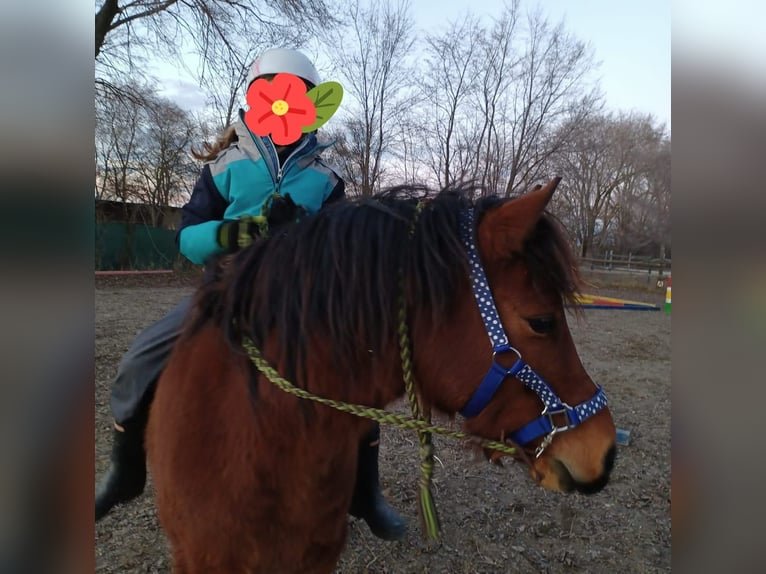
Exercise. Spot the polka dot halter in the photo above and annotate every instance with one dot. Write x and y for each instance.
(480, 286)
(544, 425)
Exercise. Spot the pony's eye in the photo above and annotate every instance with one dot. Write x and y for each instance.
(542, 325)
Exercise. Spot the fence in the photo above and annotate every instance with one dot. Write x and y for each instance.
(141, 247)
(650, 266)
(135, 246)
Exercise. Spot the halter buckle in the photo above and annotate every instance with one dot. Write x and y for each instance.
(564, 410)
(555, 429)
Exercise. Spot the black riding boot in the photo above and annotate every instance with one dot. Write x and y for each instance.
(126, 477)
(368, 502)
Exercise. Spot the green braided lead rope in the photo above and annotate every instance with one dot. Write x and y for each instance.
(429, 517)
(379, 415)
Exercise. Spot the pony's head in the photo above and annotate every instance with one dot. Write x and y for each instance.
(539, 395)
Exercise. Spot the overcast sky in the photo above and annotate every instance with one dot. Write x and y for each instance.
(630, 39)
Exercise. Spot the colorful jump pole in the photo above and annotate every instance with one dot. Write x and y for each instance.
(667, 298)
(599, 302)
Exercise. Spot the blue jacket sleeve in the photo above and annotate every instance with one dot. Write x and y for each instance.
(200, 219)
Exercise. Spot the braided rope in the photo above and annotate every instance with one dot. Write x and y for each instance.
(372, 413)
(429, 517)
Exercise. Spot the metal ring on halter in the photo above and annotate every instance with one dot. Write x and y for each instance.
(518, 364)
(504, 350)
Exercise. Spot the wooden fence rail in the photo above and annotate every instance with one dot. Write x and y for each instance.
(628, 263)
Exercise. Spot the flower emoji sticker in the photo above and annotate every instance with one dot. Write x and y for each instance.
(279, 108)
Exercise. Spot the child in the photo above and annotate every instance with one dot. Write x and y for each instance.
(240, 178)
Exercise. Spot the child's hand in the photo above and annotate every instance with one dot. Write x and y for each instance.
(284, 210)
(238, 233)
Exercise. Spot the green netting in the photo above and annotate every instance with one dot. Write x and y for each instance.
(134, 246)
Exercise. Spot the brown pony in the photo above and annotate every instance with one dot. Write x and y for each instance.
(251, 479)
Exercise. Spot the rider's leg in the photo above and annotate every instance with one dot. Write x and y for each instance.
(132, 392)
(368, 502)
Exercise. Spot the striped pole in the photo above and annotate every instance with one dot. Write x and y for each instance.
(667, 298)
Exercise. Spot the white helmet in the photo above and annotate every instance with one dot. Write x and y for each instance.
(283, 60)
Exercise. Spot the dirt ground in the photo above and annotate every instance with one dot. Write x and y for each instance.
(494, 520)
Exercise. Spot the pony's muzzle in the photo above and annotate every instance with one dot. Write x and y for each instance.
(567, 482)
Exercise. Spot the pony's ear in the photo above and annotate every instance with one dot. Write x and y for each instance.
(503, 230)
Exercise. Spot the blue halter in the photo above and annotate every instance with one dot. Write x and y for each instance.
(554, 409)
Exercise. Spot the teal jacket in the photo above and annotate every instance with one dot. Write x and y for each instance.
(243, 178)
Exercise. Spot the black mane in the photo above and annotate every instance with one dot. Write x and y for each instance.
(337, 275)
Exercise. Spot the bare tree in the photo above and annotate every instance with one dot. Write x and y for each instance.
(407, 151)
(550, 97)
(500, 95)
(499, 60)
(220, 35)
(659, 179)
(105, 152)
(451, 67)
(142, 147)
(348, 139)
(604, 158)
(640, 209)
(224, 83)
(118, 127)
(165, 168)
(370, 53)
(207, 22)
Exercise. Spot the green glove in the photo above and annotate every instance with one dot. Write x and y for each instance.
(238, 233)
